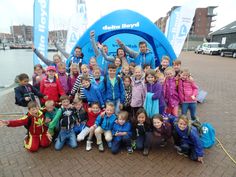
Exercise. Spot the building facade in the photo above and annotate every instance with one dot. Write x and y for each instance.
(22, 33)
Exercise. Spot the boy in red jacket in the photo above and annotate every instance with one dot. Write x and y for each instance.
(51, 86)
(35, 121)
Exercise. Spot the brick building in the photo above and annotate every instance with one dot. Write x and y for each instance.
(22, 33)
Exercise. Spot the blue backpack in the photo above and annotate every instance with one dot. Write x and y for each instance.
(207, 137)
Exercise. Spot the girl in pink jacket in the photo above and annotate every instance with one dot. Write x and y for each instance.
(188, 91)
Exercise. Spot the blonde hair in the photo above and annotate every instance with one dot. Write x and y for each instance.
(177, 62)
(165, 57)
(169, 69)
(185, 71)
(184, 118)
(49, 103)
(57, 55)
(110, 104)
(75, 66)
(123, 115)
(61, 65)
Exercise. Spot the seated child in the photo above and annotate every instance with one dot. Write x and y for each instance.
(161, 130)
(104, 125)
(65, 117)
(37, 130)
(122, 133)
(186, 139)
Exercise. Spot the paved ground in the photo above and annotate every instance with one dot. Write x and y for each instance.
(215, 74)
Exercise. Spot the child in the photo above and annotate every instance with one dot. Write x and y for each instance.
(161, 130)
(138, 90)
(187, 141)
(122, 133)
(160, 78)
(65, 117)
(62, 76)
(125, 71)
(188, 91)
(165, 62)
(25, 92)
(37, 130)
(97, 78)
(146, 67)
(118, 64)
(93, 64)
(51, 111)
(131, 68)
(142, 131)
(91, 92)
(51, 86)
(112, 89)
(74, 73)
(128, 93)
(171, 92)
(156, 88)
(104, 125)
(38, 75)
(177, 67)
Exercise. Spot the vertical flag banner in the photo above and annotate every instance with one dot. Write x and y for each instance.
(78, 25)
(41, 18)
(179, 24)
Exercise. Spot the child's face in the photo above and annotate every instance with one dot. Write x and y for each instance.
(157, 123)
(121, 53)
(109, 110)
(34, 111)
(117, 62)
(125, 70)
(126, 82)
(65, 103)
(138, 74)
(51, 73)
(74, 70)
(95, 108)
(182, 124)
(56, 59)
(165, 63)
(50, 108)
(141, 118)
(131, 68)
(121, 120)
(161, 79)
(84, 69)
(170, 74)
(177, 67)
(24, 82)
(78, 105)
(150, 79)
(147, 68)
(112, 72)
(61, 69)
(85, 84)
(38, 71)
(96, 74)
(184, 76)
(93, 62)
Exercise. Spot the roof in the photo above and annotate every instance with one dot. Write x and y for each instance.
(230, 28)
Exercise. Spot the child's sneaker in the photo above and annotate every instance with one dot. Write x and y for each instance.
(88, 145)
(109, 144)
(163, 144)
(100, 147)
(145, 151)
(133, 144)
(130, 150)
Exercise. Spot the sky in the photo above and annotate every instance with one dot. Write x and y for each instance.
(16, 12)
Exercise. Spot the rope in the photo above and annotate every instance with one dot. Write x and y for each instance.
(231, 158)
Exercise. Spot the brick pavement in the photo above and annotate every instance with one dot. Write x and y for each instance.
(213, 73)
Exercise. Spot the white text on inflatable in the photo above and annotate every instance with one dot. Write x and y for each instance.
(122, 26)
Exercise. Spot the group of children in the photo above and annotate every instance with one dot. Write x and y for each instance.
(114, 101)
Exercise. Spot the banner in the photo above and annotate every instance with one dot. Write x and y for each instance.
(179, 24)
(41, 18)
(78, 25)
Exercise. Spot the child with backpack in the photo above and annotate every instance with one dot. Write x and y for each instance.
(112, 89)
(25, 92)
(142, 131)
(122, 133)
(161, 130)
(187, 140)
(188, 91)
(66, 118)
(37, 130)
(104, 124)
(171, 92)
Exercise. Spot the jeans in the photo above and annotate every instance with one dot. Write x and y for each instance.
(116, 143)
(144, 141)
(192, 107)
(66, 136)
(189, 150)
(78, 128)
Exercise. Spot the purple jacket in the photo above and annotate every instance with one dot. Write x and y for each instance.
(63, 80)
(138, 92)
(170, 92)
(157, 89)
(186, 89)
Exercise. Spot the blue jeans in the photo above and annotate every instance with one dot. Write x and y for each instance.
(117, 142)
(66, 136)
(78, 128)
(192, 107)
(189, 150)
(144, 141)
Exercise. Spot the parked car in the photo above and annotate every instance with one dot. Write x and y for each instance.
(229, 51)
(198, 49)
(211, 48)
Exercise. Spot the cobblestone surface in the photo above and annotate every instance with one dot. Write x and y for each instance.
(212, 73)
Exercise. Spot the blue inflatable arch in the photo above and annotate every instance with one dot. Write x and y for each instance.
(131, 28)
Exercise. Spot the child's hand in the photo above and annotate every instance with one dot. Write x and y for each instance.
(3, 123)
(102, 114)
(45, 97)
(193, 97)
(47, 120)
(27, 98)
(118, 41)
(200, 159)
(49, 136)
(89, 109)
(100, 46)
(92, 33)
